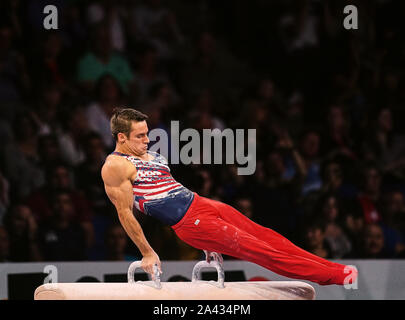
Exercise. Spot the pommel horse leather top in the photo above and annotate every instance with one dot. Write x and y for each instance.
(195, 290)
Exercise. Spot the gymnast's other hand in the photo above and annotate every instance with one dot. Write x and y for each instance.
(150, 260)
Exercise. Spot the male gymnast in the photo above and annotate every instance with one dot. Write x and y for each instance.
(133, 175)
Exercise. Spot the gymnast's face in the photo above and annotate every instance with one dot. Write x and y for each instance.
(138, 140)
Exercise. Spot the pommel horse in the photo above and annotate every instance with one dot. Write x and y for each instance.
(197, 289)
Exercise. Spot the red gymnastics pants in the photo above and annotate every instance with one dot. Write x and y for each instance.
(215, 226)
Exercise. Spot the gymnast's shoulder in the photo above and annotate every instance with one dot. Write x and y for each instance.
(116, 167)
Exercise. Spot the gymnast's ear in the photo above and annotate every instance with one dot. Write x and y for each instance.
(121, 137)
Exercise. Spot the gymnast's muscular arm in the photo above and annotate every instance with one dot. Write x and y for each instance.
(117, 173)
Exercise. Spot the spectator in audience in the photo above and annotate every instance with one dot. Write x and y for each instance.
(74, 34)
(394, 210)
(148, 74)
(50, 64)
(47, 112)
(49, 151)
(309, 149)
(88, 176)
(255, 115)
(353, 224)
(114, 15)
(233, 186)
(338, 138)
(161, 108)
(392, 222)
(383, 144)
(373, 243)
(22, 229)
(60, 237)
(299, 27)
(15, 82)
(116, 241)
(21, 158)
(389, 88)
(334, 173)
(330, 211)
(74, 130)
(108, 95)
(370, 192)
(203, 182)
(212, 68)
(202, 115)
(101, 60)
(155, 24)
(162, 98)
(203, 119)
(290, 163)
(278, 185)
(314, 240)
(59, 179)
(294, 113)
(268, 95)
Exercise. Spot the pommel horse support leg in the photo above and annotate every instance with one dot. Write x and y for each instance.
(195, 290)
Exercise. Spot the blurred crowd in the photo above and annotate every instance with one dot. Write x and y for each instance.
(327, 104)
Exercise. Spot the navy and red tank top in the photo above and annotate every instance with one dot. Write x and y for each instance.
(155, 191)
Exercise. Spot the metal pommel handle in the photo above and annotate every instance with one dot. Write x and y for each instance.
(212, 264)
(131, 275)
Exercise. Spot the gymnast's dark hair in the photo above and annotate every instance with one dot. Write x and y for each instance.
(122, 118)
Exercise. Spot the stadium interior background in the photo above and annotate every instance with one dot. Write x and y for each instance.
(327, 104)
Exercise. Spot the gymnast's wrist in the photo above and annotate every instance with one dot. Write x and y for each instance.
(148, 253)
